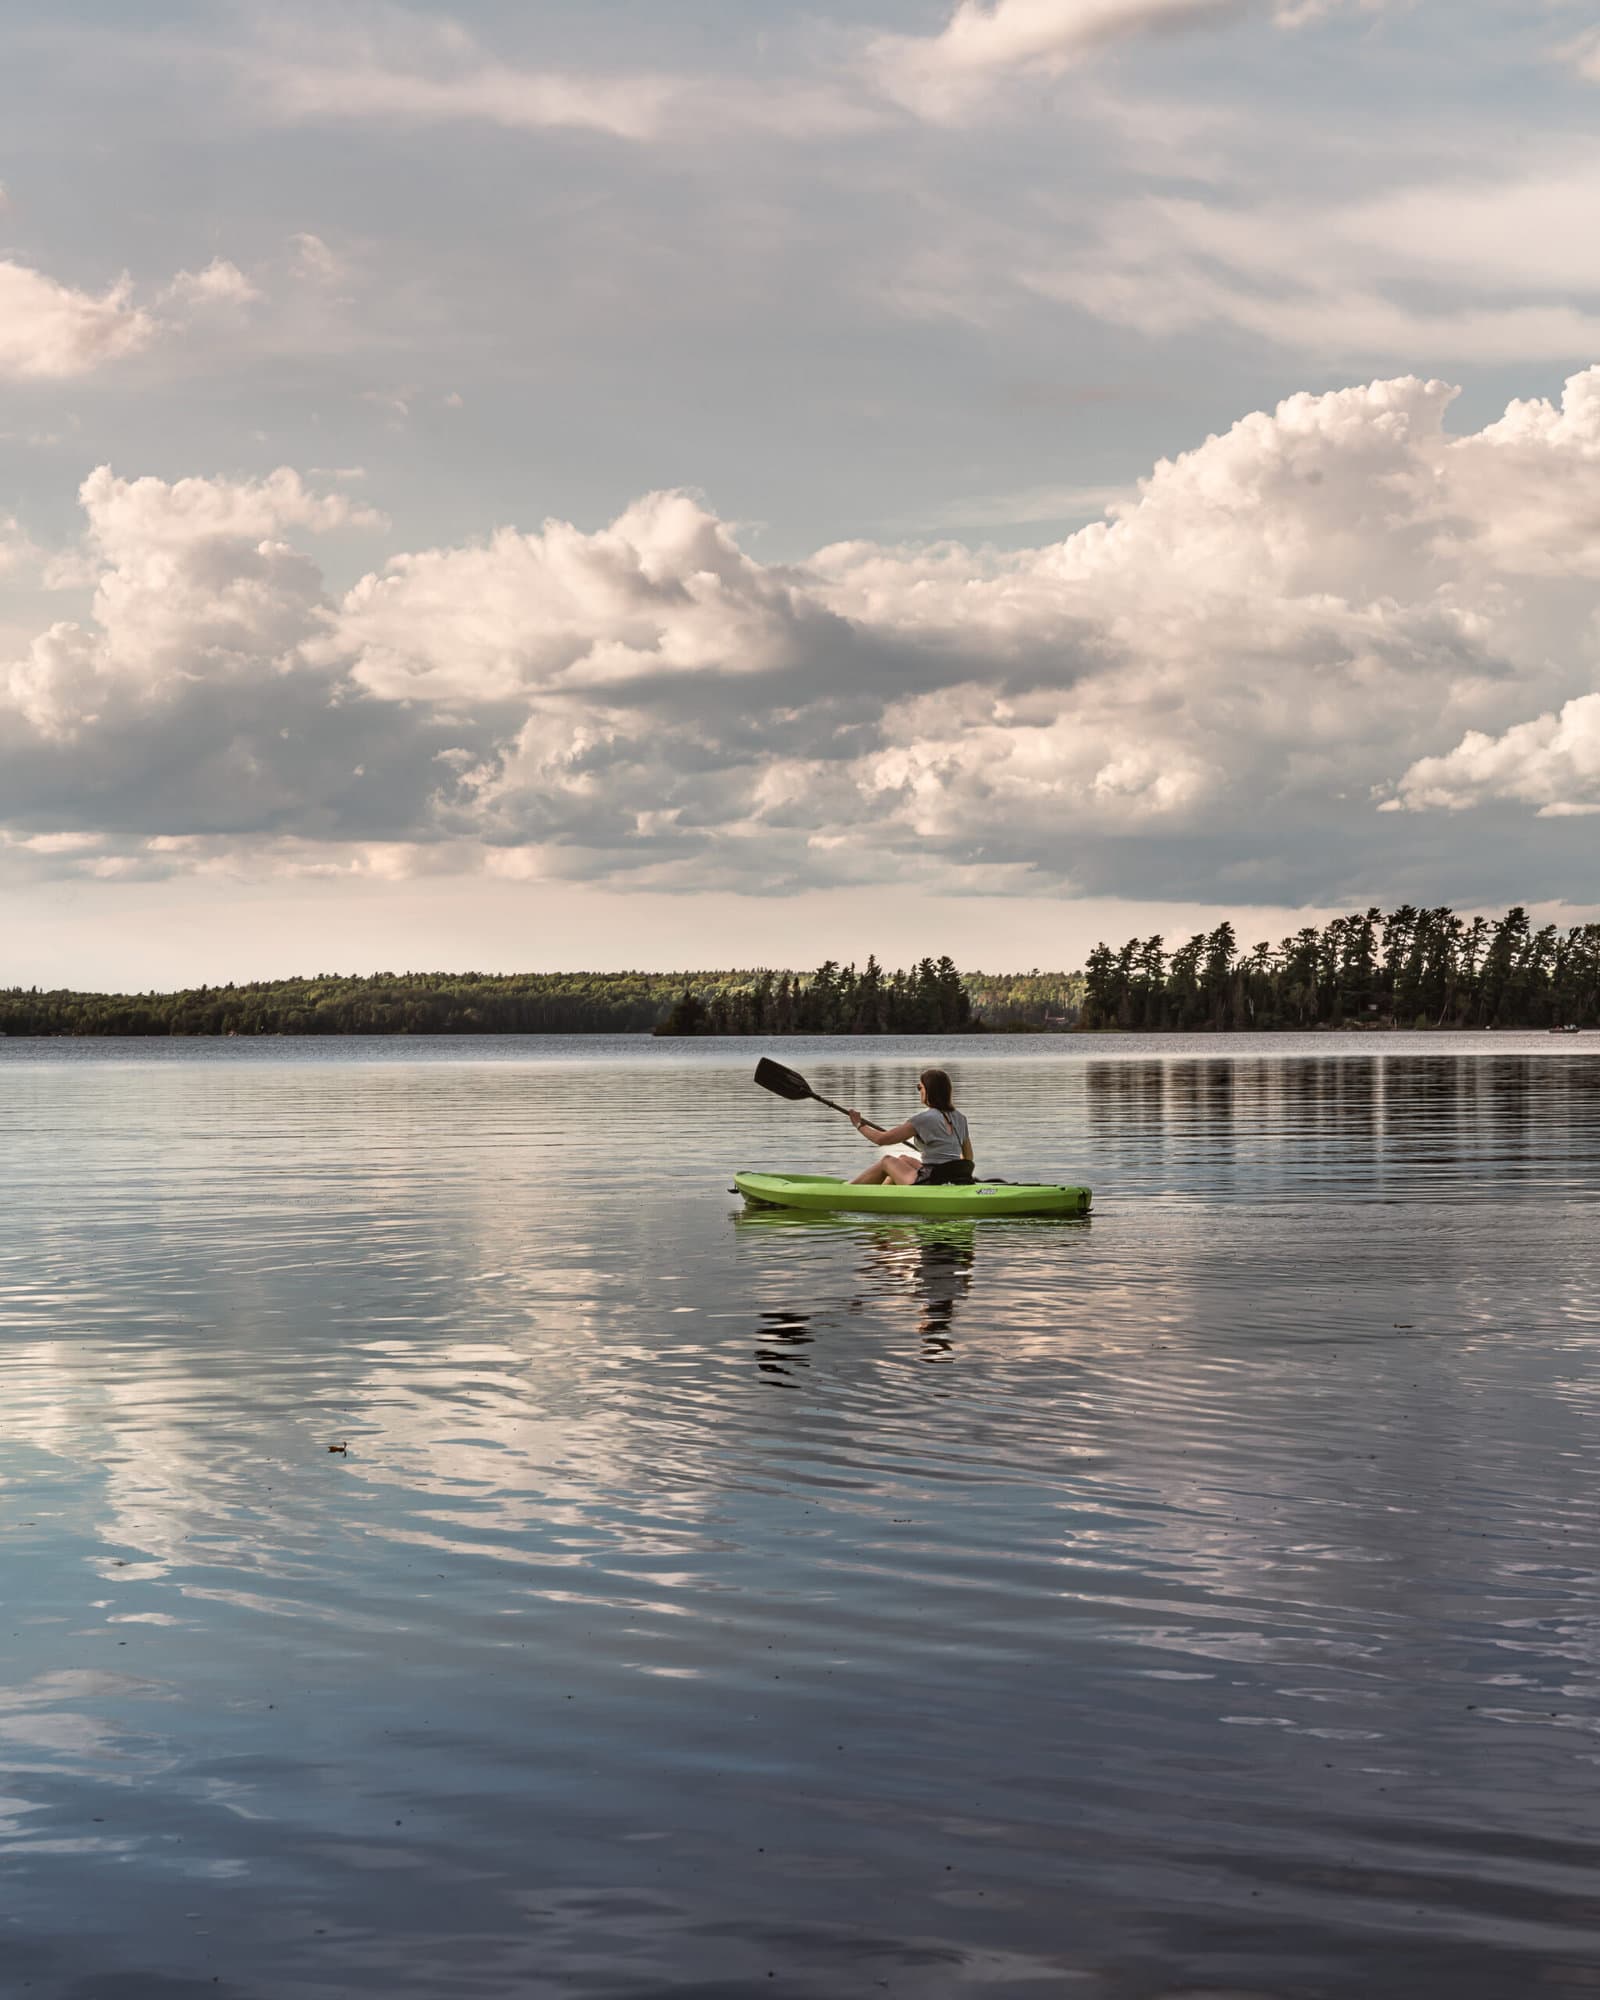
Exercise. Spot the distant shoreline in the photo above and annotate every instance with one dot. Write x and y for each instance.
(1411, 971)
(932, 996)
(979, 1031)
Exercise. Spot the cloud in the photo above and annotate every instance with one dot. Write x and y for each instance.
(985, 41)
(1492, 268)
(391, 67)
(394, 403)
(219, 284)
(385, 66)
(1584, 55)
(1552, 762)
(983, 37)
(1282, 632)
(17, 550)
(52, 332)
(193, 583)
(665, 591)
(313, 260)
(1534, 478)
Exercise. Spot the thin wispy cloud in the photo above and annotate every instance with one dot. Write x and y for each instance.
(387, 67)
(348, 80)
(1462, 265)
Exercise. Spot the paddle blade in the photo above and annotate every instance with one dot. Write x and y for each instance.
(782, 1082)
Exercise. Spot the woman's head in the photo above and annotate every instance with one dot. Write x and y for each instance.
(936, 1089)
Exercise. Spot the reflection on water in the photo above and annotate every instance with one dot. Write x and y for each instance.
(1479, 1119)
(929, 1262)
(1198, 1600)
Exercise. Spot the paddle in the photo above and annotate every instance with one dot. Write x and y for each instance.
(791, 1084)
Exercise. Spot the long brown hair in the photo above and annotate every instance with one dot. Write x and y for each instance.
(936, 1082)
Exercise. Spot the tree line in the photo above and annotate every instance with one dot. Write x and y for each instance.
(387, 1003)
(1413, 968)
(931, 997)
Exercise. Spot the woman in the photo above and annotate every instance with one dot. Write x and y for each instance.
(939, 1133)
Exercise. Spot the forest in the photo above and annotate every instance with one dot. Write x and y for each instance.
(1414, 968)
(932, 997)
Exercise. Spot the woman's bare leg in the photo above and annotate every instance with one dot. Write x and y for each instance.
(894, 1167)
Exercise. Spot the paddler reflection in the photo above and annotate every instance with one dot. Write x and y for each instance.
(926, 1265)
(931, 1267)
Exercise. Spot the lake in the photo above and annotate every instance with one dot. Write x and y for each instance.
(1199, 1600)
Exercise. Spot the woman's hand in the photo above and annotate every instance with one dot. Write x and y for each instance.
(856, 1119)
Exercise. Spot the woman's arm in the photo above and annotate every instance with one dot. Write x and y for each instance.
(876, 1133)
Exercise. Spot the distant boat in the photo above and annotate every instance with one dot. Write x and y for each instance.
(1572, 1030)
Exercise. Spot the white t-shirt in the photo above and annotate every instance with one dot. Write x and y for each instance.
(939, 1136)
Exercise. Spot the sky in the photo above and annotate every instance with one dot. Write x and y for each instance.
(536, 485)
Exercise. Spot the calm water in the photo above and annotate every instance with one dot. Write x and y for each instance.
(1201, 1600)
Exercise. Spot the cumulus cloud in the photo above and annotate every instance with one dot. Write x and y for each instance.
(50, 332)
(193, 585)
(1552, 762)
(664, 592)
(1224, 681)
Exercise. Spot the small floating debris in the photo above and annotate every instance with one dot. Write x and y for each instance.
(339, 1447)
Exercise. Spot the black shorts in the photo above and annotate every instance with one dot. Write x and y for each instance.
(948, 1173)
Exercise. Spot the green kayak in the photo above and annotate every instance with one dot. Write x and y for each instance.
(821, 1193)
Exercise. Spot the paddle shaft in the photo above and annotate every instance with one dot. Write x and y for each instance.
(818, 1098)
